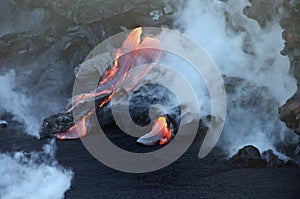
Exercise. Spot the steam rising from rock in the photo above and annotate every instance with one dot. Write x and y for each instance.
(242, 48)
(17, 103)
(33, 175)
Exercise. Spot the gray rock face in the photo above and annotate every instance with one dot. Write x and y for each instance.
(290, 113)
(263, 11)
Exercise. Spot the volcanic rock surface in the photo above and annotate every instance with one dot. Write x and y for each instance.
(59, 42)
(250, 97)
(56, 123)
(250, 157)
(274, 160)
(290, 111)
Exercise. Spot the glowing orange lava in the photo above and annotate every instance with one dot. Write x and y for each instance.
(134, 49)
(76, 131)
(165, 132)
(160, 133)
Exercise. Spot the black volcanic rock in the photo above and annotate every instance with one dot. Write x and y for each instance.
(139, 106)
(274, 161)
(143, 98)
(290, 150)
(57, 123)
(248, 157)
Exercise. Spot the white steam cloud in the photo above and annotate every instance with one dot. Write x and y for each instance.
(18, 104)
(33, 175)
(28, 108)
(238, 45)
(242, 49)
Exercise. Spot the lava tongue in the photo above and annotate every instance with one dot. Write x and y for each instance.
(75, 132)
(159, 134)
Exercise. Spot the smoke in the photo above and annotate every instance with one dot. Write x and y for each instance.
(27, 109)
(33, 175)
(249, 52)
(17, 103)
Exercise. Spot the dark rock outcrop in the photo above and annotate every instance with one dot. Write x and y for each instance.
(248, 157)
(273, 160)
(143, 98)
(139, 106)
(57, 123)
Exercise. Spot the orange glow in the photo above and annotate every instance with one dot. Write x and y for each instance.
(75, 132)
(132, 41)
(158, 134)
(117, 58)
(165, 132)
(134, 51)
(106, 100)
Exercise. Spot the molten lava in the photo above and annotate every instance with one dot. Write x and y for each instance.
(134, 51)
(76, 131)
(160, 133)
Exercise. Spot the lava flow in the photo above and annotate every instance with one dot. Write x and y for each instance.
(160, 133)
(135, 50)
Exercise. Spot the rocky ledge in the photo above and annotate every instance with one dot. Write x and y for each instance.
(290, 111)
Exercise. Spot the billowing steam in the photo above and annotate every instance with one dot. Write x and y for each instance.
(243, 49)
(33, 175)
(17, 103)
